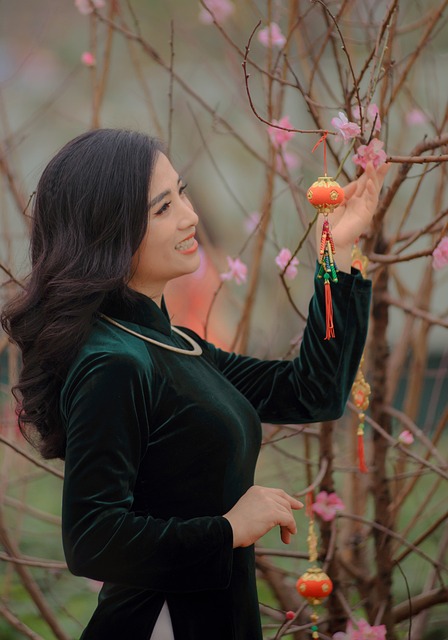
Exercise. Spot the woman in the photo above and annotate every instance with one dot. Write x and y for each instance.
(160, 430)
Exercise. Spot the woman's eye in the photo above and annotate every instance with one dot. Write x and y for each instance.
(182, 189)
(163, 208)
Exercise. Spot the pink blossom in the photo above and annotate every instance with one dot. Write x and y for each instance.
(88, 59)
(237, 271)
(291, 160)
(347, 130)
(406, 437)
(372, 152)
(221, 10)
(252, 221)
(279, 137)
(272, 36)
(369, 116)
(440, 254)
(373, 116)
(326, 505)
(282, 260)
(363, 632)
(416, 116)
(366, 632)
(86, 6)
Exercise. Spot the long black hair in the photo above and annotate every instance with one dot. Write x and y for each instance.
(89, 217)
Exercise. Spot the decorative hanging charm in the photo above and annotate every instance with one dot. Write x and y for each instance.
(325, 194)
(360, 388)
(314, 584)
(360, 395)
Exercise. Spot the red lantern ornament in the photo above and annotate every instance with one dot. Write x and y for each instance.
(325, 194)
(314, 585)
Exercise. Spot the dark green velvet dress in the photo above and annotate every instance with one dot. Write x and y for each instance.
(160, 445)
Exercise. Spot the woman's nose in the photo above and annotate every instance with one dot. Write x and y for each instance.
(190, 217)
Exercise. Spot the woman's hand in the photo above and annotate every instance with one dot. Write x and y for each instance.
(258, 511)
(354, 215)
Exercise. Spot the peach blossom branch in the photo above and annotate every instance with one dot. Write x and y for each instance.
(154, 55)
(418, 313)
(17, 624)
(33, 562)
(10, 276)
(251, 103)
(345, 50)
(31, 458)
(417, 159)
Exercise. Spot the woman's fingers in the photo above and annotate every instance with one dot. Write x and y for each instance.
(285, 535)
(349, 190)
(258, 511)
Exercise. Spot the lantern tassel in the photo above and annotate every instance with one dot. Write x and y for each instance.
(361, 452)
(328, 309)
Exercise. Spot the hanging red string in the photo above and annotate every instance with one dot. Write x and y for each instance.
(323, 139)
(309, 503)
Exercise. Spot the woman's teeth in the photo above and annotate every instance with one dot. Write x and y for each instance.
(185, 244)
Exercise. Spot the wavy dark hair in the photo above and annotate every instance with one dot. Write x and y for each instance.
(89, 217)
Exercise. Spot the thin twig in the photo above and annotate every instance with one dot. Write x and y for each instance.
(31, 458)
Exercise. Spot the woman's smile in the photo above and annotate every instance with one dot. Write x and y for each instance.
(189, 245)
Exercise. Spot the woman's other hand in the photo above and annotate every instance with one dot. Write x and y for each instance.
(258, 511)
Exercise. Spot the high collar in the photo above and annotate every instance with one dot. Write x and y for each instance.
(139, 309)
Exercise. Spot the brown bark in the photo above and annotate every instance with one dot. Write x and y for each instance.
(382, 592)
(336, 613)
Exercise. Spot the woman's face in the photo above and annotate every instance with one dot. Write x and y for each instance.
(169, 248)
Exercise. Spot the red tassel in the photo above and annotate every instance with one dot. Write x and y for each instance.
(309, 504)
(361, 453)
(328, 311)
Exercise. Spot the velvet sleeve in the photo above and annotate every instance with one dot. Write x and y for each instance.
(314, 386)
(105, 404)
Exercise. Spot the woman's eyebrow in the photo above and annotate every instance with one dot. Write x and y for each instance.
(162, 195)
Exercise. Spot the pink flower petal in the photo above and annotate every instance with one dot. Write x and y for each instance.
(373, 152)
(368, 116)
(406, 437)
(291, 160)
(326, 505)
(282, 260)
(252, 221)
(372, 113)
(88, 59)
(272, 36)
(279, 137)
(86, 6)
(221, 10)
(237, 271)
(346, 130)
(415, 117)
(363, 632)
(440, 255)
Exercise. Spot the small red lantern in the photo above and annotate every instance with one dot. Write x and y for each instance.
(325, 194)
(314, 585)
